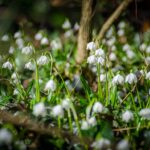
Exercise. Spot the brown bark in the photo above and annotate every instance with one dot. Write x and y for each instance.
(112, 18)
(84, 31)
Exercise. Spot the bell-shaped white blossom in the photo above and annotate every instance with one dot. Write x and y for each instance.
(111, 41)
(103, 77)
(66, 24)
(20, 43)
(130, 54)
(38, 36)
(126, 47)
(118, 80)
(112, 56)
(91, 46)
(29, 66)
(100, 52)
(91, 59)
(50, 86)
(97, 107)
(147, 60)
(14, 76)
(5, 136)
(7, 65)
(145, 113)
(148, 50)
(15, 92)
(42, 60)
(28, 50)
(39, 109)
(123, 145)
(101, 61)
(101, 144)
(148, 75)
(18, 34)
(92, 121)
(85, 125)
(58, 111)
(143, 47)
(131, 78)
(5, 38)
(44, 41)
(11, 50)
(66, 104)
(76, 27)
(121, 25)
(127, 116)
(121, 32)
(56, 44)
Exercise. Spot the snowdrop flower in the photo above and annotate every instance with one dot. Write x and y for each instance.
(66, 104)
(44, 41)
(39, 109)
(15, 92)
(20, 43)
(29, 66)
(50, 86)
(58, 111)
(91, 46)
(66, 24)
(7, 65)
(5, 38)
(101, 144)
(14, 76)
(5, 136)
(11, 50)
(127, 116)
(123, 145)
(111, 41)
(91, 59)
(143, 47)
(103, 77)
(121, 24)
(42, 60)
(147, 60)
(76, 26)
(145, 113)
(126, 47)
(120, 32)
(98, 107)
(109, 33)
(68, 33)
(18, 34)
(112, 56)
(84, 125)
(28, 50)
(113, 48)
(92, 121)
(148, 50)
(100, 52)
(38, 36)
(56, 44)
(131, 78)
(148, 75)
(101, 61)
(130, 54)
(118, 80)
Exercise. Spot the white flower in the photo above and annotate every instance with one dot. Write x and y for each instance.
(113, 48)
(11, 50)
(7, 65)
(39, 109)
(112, 56)
(50, 86)
(101, 144)
(66, 24)
(15, 92)
(143, 47)
(148, 49)
(29, 66)
(68, 33)
(14, 76)
(101, 61)
(103, 77)
(38, 36)
(100, 52)
(28, 50)
(97, 107)
(126, 47)
(76, 26)
(18, 34)
(118, 79)
(91, 46)
(120, 32)
(109, 33)
(84, 125)
(148, 75)
(131, 78)
(58, 111)
(147, 60)
(44, 41)
(66, 104)
(145, 113)
(130, 54)
(123, 145)
(92, 121)
(127, 116)
(20, 43)
(5, 136)
(121, 24)
(5, 38)
(42, 60)
(91, 59)
(111, 41)
(56, 44)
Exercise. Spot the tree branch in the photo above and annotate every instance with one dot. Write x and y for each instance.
(112, 18)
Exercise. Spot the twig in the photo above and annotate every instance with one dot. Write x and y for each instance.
(112, 18)
(41, 129)
(88, 7)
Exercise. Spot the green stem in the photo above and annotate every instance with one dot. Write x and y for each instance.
(37, 87)
(70, 120)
